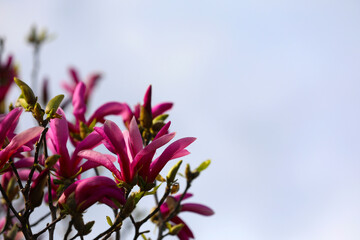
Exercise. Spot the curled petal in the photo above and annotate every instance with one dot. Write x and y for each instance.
(136, 143)
(161, 108)
(102, 159)
(110, 108)
(78, 102)
(197, 208)
(7, 123)
(168, 154)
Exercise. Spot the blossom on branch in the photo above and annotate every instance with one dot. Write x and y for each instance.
(83, 127)
(58, 134)
(17, 143)
(166, 208)
(84, 193)
(134, 159)
(90, 83)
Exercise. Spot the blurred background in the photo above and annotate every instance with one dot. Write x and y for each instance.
(271, 89)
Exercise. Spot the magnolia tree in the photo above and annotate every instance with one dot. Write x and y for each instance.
(38, 167)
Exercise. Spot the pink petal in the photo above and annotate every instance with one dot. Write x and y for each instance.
(197, 208)
(136, 142)
(185, 231)
(163, 130)
(102, 159)
(147, 100)
(116, 138)
(168, 154)
(161, 108)
(143, 159)
(78, 102)
(90, 142)
(7, 122)
(21, 139)
(110, 108)
(74, 75)
(59, 135)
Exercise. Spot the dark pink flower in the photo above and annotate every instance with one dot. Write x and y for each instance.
(58, 134)
(79, 105)
(157, 110)
(7, 73)
(185, 233)
(84, 193)
(132, 156)
(17, 142)
(90, 83)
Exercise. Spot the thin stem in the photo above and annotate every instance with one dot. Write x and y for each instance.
(117, 232)
(16, 173)
(68, 231)
(36, 161)
(40, 220)
(9, 203)
(48, 226)
(36, 66)
(51, 206)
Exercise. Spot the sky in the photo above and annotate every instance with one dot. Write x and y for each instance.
(270, 89)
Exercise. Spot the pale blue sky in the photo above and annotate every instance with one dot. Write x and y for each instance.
(271, 89)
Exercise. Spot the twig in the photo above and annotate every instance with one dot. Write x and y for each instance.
(16, 173)
(48, 226)
(68, 231)
(40, 220)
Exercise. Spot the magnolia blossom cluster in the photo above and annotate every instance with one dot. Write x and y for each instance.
(56, 163)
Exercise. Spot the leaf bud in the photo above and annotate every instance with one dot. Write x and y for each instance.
(51, 161)
(54, 103)
(175, 188)
(174, 230)
(27, 92)
(170, 177)
(129, 205)
(12, 189)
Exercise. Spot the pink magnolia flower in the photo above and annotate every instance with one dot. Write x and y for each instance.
(132, 157)
(7, 73)
(82, 194)
(90, 83)
(185, 233)
(18, 142)
(79, 104)
(157, 110)
(58, 134)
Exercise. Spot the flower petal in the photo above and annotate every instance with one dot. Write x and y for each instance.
(78, 102)
(110, 108)
(168, 154)
(197, 208)
(102, 159)
(161, 108)
(8, 121)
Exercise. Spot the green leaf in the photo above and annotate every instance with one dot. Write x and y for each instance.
(203, 165)
(108, 219)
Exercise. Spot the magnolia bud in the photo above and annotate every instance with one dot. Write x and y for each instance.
(145, 118)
